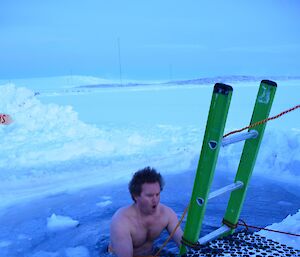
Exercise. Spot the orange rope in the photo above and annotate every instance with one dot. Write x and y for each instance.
(262, 121)
(173, 232)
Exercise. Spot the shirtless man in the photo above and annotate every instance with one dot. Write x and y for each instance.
(134, 228)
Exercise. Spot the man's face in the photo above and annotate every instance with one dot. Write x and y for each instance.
(149, 198)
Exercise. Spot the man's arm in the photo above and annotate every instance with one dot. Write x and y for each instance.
(120, 237)
(173, 221)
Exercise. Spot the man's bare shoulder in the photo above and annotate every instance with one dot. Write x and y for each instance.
(123, 214)
(120, 232)
(166, 209)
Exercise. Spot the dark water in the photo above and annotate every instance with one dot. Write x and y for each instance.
(25, 225)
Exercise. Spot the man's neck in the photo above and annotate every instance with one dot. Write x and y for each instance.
(143, 214)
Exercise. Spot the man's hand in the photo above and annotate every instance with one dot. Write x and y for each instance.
(173, 221)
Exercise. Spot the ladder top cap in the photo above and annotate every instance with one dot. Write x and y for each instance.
(222, 88)
(269, 82)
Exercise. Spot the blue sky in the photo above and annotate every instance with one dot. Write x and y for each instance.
(158, 39)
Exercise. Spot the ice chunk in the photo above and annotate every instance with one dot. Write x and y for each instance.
(104, 203)
(57, 222)
(4, 243)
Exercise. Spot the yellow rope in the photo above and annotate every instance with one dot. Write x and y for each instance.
(173, 232)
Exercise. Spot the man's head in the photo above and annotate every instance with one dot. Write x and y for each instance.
(146, 175)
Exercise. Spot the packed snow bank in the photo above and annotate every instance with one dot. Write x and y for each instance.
(278, 158)
(290, 224)
(43, 133)
(49, 139)
(47, 148)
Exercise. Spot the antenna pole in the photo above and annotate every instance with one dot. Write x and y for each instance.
(120, 64)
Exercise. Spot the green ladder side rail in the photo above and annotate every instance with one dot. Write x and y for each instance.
(261, 111)
(207, 162)
(210, 148)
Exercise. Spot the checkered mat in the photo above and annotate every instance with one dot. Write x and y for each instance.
(243, 244)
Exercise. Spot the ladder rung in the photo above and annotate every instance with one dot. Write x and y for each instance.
(214, 234)
(228, 188)
(239, 137)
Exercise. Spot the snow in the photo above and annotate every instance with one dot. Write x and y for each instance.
(57, 223)
(67, 139)
(290, 224)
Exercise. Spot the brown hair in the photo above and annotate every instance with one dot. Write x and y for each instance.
(145, 175)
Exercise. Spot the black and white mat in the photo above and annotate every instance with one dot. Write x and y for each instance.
(244, 244)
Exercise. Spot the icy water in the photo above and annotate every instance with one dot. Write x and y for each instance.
(24, 226)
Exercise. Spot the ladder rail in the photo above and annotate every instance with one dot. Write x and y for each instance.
(214, 131)
(250, 151)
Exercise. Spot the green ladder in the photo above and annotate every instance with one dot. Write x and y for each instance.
(212, 141)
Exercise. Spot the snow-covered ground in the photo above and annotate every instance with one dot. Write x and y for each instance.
(66, 138)
(290, 224)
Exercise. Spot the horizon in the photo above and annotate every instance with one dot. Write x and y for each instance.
(129, 80)
(79, 81)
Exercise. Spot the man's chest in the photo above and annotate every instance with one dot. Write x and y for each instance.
(147, 231)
